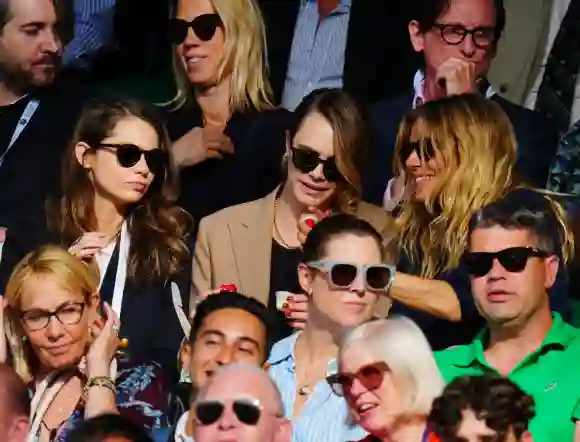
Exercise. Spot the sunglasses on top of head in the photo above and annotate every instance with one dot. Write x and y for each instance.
(247, 411)
(370, 376)
(128, 155)
(513, 259)
(408, 147)
(342, 275)
(203, 26)
(306, 160)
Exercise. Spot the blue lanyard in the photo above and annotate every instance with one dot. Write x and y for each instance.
(22, 123)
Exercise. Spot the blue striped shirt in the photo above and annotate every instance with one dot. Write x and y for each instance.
(317, 54)
(325, 416)
(93, 32)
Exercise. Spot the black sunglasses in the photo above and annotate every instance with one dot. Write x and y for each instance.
(128, 155)
(306, 160)
(409, 146)
(247, 411)
(204, 27)
(513, 259)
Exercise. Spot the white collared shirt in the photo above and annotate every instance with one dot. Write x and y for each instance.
(180, 429)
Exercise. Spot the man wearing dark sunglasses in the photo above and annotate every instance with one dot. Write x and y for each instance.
(457, 40)
(513, 259)
(241, 403)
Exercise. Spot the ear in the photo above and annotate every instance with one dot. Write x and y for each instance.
(288, 142)
(527, 437)
(81, 151)
(305, 277)
(185, 352)
(284, 431)
(19, 429)
(417, 37)
(552, 264)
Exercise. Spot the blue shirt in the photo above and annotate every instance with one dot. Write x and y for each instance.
(317, 54)
(325, 416)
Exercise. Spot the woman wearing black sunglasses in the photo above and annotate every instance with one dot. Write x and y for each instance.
(255, 245)
(118, 209)
(224, 127)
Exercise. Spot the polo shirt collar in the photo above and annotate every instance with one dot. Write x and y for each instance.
(560, 336)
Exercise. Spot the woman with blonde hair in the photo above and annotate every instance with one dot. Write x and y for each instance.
(389, 378)
(65, 346)
(228, 138)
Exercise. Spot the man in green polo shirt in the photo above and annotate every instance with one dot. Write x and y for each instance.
(513, 262)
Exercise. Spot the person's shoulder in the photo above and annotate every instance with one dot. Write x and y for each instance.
(399, 104)
(377, 216)
(515, 111)
(236, 212)
(450, 357)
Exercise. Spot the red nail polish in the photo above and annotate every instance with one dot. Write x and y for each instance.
(310, 223)
(287, 313)
(228, 288)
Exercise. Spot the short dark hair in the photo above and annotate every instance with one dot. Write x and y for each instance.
(495, 399)
(528, 210)
(426, 13)
(314, 248)
(214, 303)
(14, 392)
(100, 428)
(5, 13)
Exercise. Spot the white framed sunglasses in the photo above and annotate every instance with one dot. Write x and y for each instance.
(342, 275)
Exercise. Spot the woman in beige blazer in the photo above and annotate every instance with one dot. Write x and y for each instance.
(256, 245)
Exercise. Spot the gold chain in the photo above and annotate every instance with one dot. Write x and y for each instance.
(277, 230)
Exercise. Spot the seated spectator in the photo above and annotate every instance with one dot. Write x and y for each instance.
(516, 246)
(324, 162)
(108, 428)
(228, 138)
(14, 407)
(457, 42)
(226, 329)
(118, 209)
(64, 346)
(478, 408)
(389, 378)
(241, 403)
(344, 275)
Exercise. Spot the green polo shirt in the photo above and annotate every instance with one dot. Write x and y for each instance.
(551, 375)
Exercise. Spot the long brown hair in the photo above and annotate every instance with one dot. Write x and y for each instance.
(159, 229)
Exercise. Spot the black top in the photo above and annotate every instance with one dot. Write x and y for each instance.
(252, 172)
(283, 277)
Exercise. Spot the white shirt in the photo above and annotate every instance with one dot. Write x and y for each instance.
(559, 9)
(180, 428)
(103, 258)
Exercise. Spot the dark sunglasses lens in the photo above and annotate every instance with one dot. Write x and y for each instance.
(209, 412)
(335, 381)
(155, 159)
(407, 148)
(177, 30)
(128, 155)
(247, 412)
(205, 26)
(371, 377)
(305, 160)
(331, 171)
(378, 277)
(479, 264)
(343, 275)
(513, 260)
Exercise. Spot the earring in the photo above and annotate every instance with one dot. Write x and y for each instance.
(24, 338)
(184, 377)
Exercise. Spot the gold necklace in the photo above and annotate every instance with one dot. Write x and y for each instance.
(277, 230)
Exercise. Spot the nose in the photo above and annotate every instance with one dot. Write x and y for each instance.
(141, 167)
(54, 329)
(497, 271)
(413, 162)
(468, 48)
(358, 285)
(318, 173)
(51, 43)
(191, 39)
(225, 356)
(228, 420)
(357, 389)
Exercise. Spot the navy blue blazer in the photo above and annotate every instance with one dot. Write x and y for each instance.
(536, 139)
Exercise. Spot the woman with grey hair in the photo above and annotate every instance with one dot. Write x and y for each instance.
(389, 379)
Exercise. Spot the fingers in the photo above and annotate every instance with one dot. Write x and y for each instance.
(89, 244)
(457, 76)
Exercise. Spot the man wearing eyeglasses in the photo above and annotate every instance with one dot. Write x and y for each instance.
(513, 258)
(458, 40)
(241, 403)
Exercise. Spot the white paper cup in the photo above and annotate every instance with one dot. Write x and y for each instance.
(281, 297)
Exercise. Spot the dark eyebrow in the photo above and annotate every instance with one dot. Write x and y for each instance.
(34, 24)
(212, 332)
(305, 147)
(64, 304)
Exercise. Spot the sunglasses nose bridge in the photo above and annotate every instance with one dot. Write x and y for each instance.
(359, 283)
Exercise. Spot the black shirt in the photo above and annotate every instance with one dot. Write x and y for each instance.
(9, 116)
(283, 277)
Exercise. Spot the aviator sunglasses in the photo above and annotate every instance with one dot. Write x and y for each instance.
(342, 275)
(306, 160)
(128, 155)
(513, 259)
(247, 411)
(370, 376)
(203, 26)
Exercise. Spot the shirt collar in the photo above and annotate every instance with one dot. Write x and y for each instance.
(419, 88)
(283, 351)
(180, 427)
(559, 337)
(343, 5)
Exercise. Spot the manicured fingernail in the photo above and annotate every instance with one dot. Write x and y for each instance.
(310, 223)
(228, 288)
(287, 313)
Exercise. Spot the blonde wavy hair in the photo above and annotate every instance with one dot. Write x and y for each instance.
(54, 262)
(244, 56)
(475, 148)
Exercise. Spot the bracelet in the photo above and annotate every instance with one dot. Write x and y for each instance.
(101, 382)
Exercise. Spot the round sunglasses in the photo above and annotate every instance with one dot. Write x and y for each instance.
(128, 155)
(247, 411)
(370, 376)
(203, 26)
(306, 160)
(513, 259)
(342, 275)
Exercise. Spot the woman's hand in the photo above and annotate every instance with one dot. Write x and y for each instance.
(306, 223)
(200, 144)
(104, 346)
(89, 244)
(296, 310)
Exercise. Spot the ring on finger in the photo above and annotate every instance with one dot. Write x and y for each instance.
(117, 328)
